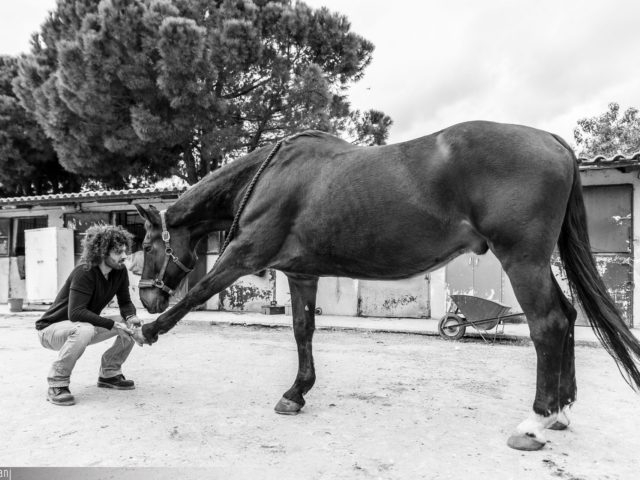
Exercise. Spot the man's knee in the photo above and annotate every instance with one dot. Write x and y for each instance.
(83, 332)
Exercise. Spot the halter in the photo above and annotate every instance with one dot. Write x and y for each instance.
(232, 231)
(158, 281)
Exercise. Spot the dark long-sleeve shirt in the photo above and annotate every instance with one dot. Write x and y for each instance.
(85, 294)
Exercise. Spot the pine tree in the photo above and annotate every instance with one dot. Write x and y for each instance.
(148, 88)
(28, 163)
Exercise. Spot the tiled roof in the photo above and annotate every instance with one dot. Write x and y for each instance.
(99, 195)
(617, 161)
(599, 162)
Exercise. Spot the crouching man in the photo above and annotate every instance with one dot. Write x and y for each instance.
(73, 322)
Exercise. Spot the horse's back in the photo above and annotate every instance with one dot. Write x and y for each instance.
(404, 208)
(468, 146)
(461, 165)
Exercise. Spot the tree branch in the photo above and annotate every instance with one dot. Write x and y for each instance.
(246, 90)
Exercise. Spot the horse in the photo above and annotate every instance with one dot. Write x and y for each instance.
(315, 205)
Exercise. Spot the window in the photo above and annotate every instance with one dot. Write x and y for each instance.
(134, 223)
(22, 224)
(80, 222)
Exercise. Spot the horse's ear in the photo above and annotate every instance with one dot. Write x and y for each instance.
(151, 215)
(141, 211)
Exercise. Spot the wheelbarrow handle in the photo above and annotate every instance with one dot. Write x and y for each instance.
(489, 320)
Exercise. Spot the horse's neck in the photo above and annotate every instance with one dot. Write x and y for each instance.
(209, 205)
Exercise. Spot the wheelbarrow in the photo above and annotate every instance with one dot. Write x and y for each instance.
(476, 312)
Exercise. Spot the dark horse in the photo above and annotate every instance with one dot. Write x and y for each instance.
(324, 207)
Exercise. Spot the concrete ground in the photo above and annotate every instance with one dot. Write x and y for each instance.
(385, 405)
(584, 335)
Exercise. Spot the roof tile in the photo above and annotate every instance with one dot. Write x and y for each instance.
(585, 163)
(609, 162)
(95, 195)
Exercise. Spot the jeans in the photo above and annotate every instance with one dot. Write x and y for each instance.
(71, 338)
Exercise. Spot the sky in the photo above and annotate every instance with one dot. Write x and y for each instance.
(543, 63)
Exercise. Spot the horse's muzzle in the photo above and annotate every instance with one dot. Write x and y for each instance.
(154, 301)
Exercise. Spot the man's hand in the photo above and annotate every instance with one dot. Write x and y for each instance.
(123, 329)
(134, 321)
(139, 337)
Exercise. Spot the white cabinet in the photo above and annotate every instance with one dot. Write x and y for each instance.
(49, 260)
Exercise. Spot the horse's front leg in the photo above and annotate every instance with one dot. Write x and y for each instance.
(224, 273)
(303, 303)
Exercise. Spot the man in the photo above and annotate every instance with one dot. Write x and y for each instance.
(73, 322)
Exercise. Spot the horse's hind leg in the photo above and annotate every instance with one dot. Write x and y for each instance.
(542, 303)
(303, 304)
(567, 388)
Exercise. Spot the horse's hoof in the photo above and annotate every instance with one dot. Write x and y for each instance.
(558, 426)
(524, 442)
(150, 338)
(287, 407)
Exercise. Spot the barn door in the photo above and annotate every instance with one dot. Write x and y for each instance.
(478, 275)
(407, 298)
(610, 231)
(487, 277)
(459, 275)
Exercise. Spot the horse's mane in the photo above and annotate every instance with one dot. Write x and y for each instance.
(227, 178)
(311, 133)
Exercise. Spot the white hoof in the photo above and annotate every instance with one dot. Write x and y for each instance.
(562, 421)
(534, 426)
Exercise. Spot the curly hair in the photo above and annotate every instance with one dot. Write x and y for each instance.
(100, 240)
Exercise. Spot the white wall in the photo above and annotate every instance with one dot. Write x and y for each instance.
(4, 279)
(438, 293)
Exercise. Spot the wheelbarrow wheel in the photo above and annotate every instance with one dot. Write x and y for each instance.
(451, 327)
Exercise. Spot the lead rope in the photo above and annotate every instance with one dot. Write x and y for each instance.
(247, 194)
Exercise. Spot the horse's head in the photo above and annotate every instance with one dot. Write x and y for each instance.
(167, 260)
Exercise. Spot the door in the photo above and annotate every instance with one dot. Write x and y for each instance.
(459, 275)
(41, 265)
(487, 277)
(609, 222)
(80, 222)
(407, 298)
(479, 275)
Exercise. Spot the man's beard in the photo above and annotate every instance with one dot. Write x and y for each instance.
(113, 264)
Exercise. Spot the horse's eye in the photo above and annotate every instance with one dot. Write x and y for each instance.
(147, 248)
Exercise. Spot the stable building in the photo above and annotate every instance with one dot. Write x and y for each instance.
(37, 232)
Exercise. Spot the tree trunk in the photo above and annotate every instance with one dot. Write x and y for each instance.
(190, 166)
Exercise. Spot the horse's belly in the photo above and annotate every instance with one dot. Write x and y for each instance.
(392, 253)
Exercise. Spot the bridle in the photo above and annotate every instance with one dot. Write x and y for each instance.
(158, 282)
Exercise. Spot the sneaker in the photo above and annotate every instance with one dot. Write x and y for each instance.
(60, 396)
(118, 382)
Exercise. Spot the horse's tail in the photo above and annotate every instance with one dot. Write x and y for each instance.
(586, 283)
